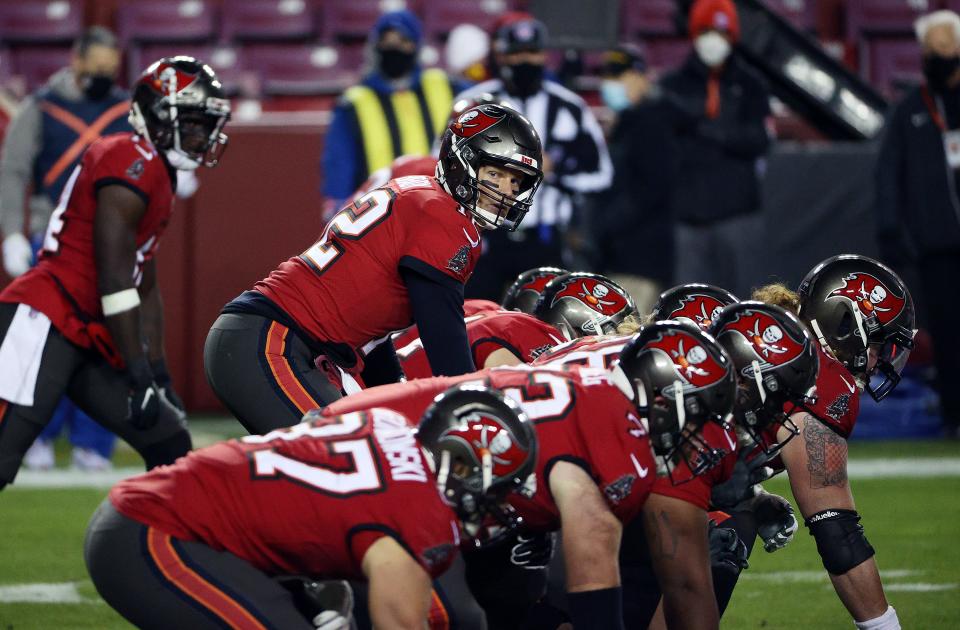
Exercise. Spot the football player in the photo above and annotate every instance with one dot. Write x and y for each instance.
(87, 321)
(862, 314)
(598, 432)
(584, 304)
(197, 544)
(523, 294)
(397, 256)
(694, 303)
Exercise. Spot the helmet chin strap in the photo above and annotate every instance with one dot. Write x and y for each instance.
(681, 408)
(487, 465)
(756, 377)
(444, 472)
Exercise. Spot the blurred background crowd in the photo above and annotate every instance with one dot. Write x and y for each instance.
(720, 141)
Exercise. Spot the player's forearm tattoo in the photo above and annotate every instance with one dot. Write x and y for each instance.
(826, 455)
(661, 534)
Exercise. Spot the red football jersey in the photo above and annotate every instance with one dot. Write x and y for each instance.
(603, 352)
(579, 416)
(307, 500)
(838, 397)
(347, 287)
(401, 167)
(524, 335)
(472, 307)
(67, 258)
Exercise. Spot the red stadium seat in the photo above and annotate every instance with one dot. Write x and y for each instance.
(666, 54)
(888, 17)
(268, 20)
(165, 21)
(440, 18)
(296, 70)
(351, 20)
(647, 17)
(223, 59)
(35, 64)
(892, 61)
(40, 21)
(800, 13)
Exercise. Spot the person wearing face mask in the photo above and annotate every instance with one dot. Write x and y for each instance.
(397, 109)
(43, 144)
(635, 225)
(721, 140)
(576, 160)
(917, 204)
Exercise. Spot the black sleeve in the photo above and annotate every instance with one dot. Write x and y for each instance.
(437, 303)
(381, 365)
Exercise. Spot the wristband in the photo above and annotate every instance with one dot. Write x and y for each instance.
(601, 609)
(120, 302)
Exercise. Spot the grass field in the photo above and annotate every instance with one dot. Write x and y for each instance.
(913, 523)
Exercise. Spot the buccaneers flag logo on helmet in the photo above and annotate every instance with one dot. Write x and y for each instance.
(771, 343)
(539, 282)
(871, 296)
(595, 294)
(700, 309)
(474, 121)
(486, 435)
(693, 364)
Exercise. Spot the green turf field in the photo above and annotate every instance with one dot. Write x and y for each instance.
(913, 523)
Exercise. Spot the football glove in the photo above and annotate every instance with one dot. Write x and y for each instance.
(161, 376)
(17, 254)
(143, 398)
(747, 473)
(532, 551)
(727, 551)
(331, 620)
(776, 522)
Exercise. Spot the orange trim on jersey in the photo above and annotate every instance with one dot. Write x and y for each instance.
(187, 580)
(87, 134)
(439, 618)
(282, 372)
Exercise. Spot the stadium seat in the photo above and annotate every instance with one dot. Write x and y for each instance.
(666, 54)
(165, 21)
(800, 13)
(440, 18)
(35, 64)
(268, 20)
(223, 59)
(891, 62)
(643, 18)
(884, 17)
(350, 20)
(296, 70)
(40, 21)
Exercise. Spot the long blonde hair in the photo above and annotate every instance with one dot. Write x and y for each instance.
(779, 295)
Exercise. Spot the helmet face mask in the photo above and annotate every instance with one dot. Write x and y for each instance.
(497, 136)
(483, 449)
(680, 380)
(179, 104)
(583, 304)
(863, 313)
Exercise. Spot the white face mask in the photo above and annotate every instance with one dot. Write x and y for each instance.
(712, 48)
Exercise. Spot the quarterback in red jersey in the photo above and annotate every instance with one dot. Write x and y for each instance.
(197, 544)
(87, 321)
(863, 316)
(399, 255)
(403, 166)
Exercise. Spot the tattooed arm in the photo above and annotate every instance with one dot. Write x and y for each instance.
(676, 534)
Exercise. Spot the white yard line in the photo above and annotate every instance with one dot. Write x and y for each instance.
(61, 593)
(814, 576)
(918, 587)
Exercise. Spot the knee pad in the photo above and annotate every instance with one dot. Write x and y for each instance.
(167, 451)
(840, 539)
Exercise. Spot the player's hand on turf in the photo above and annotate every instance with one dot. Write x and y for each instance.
(776, 522)
(143, 398)
(727, 551)
(532, 551)
(751, 468)
(161, 376)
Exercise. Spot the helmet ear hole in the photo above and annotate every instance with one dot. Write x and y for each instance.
(845, 326)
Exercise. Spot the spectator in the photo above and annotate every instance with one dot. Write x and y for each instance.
(720, 142)
(917, 202)
(42, 146)
(575, 157)
(466, 53)
(398, 109)
(633, 224)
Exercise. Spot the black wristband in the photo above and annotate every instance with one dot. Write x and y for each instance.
(139, 373)
(601, 609)
(161, 375)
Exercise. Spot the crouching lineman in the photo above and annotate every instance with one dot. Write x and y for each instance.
(87, 321)
(862, 314)
(598, 435)
(198, 544)
(399, 255)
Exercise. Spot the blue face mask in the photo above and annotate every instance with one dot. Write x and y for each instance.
(614, 95)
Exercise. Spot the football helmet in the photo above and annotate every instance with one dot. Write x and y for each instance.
(580, 304)
(679, 379)
(484, 448)
(526, 289)
(490, 135)
(776, 362)
(180, 106)
(854, 304)
(695, 303)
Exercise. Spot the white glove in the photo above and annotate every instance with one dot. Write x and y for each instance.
(331, 620)
(17, 255)
(187, 184)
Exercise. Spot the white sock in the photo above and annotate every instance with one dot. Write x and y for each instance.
(886, 621)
